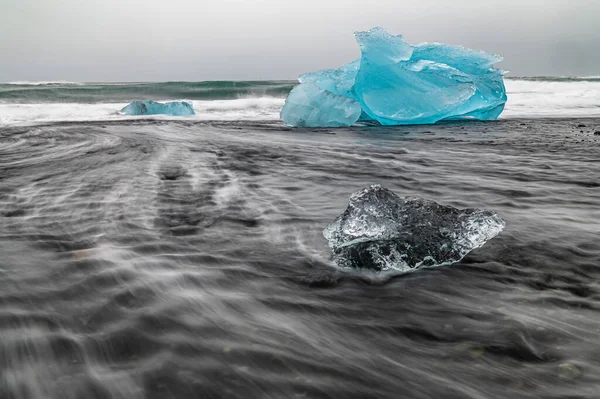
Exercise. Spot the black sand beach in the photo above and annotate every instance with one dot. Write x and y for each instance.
(161, 259)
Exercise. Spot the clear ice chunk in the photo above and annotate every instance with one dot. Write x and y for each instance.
(399, 84)
(175, 108)
(309, 105)
(380, 231)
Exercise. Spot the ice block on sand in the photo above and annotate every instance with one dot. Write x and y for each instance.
(380, 231)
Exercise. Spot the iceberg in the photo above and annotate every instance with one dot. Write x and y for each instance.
(308, 105)
(380, 231)
(396, 83)
(175, 108)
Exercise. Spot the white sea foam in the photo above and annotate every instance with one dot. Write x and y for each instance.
(264, 108)
(526, 99)
(534, 99)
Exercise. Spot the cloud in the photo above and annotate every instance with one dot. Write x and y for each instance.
(139, 40)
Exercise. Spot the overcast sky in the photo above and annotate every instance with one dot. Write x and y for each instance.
(158, 40)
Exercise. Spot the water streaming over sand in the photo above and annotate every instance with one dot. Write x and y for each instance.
(162, 259)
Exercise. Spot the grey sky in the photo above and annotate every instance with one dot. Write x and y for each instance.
(157, 40)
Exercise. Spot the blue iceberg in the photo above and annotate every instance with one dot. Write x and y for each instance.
(175, 108)
(398, 84)
(306, 102)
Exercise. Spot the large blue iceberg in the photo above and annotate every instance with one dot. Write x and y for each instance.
(395, 83)
(175, 108)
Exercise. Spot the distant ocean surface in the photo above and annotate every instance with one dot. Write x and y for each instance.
(42, 102)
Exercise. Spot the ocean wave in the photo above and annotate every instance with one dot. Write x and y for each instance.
(127, 92)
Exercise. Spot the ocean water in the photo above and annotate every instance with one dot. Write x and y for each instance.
(184, 257)
(40, 102)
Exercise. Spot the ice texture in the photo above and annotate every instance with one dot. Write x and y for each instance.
(399, 84)
(175, 108)
(380, 231)
(308, 105)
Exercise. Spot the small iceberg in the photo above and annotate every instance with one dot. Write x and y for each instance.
(395, 83)
(380, 231)
(174, 108)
